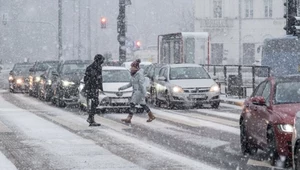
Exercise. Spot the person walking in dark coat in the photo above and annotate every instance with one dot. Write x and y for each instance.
(137, 83)
(93, 83)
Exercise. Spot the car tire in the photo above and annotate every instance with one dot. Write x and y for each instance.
(215, 105)
(170, 105)
(271, 150)
(297, 157)
(246, 147)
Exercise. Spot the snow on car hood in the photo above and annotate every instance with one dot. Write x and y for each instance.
(190, 83)
(113, 87)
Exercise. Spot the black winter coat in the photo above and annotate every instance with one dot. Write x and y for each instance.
(93, 77)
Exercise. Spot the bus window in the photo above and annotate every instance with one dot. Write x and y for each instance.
(189, 50)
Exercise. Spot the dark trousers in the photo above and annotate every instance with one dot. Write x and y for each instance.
(93, 97)
(133, 109)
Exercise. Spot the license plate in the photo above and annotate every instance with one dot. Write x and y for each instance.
(197, 96)
(119, 100)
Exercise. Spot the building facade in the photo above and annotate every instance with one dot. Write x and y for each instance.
(238, 28)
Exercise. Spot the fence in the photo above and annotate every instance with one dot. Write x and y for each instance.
(238, 80)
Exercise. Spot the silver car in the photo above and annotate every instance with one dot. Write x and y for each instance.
(185, 85)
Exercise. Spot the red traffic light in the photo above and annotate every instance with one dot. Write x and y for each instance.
(103, 22)
(138, 44)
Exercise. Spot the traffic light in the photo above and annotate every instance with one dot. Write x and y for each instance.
(291, 13)
(295, 23)
(138, 45)
(103, 22)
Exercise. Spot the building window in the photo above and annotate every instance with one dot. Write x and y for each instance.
(268, 8)
(248, 53)
(248, 8)
(217, 5)
(217, 53)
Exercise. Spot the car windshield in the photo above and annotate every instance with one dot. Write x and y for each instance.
(22, 68)
(115, 76)
(41, 67)
(179, 73)
(74, 68)
(287, 92)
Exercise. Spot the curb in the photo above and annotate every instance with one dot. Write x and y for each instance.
(233, 102)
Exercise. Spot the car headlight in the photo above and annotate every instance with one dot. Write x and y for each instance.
(177, 89)
(215, 88)
(10, 78)
(67, 83)
(19, 81)
(286, 128)
(37, 79)
(49, 82)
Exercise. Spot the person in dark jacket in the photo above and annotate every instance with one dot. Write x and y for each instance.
(137, 83)
(93, 83)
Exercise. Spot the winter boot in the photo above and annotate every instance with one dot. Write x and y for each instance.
(151, 117)
(91, 120)
(128, 119)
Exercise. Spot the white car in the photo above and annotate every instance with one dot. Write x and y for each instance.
(111, 98)
(185, 85)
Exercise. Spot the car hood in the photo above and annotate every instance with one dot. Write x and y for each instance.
(76, 77)
(21, 74)
(286, 112)
(113, 87)
(39, 73)
(191, 83)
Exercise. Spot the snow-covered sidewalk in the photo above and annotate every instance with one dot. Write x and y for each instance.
(5, 163)
(232, 100)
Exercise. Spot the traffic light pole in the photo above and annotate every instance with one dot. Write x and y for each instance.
(122, 31)
(291, 12)
(59, 29)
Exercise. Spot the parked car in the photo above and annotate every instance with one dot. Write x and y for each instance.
(111, 98)
(267, 118)
(36, 71)
(45, 91)
(185, 85)
(18, 77)
(65, 86)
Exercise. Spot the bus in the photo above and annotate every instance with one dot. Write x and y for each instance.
(282, 55)
(183, 47)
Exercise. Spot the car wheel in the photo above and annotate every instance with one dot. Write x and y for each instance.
(215, 105)
(170, 105)
(271, 150)
(246, 147)
(155, 100)
(297, 157)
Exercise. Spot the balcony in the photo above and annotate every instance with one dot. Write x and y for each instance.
(215, 23)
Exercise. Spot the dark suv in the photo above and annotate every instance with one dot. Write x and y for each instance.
(65, 88)
(18, 77)
(36, 71)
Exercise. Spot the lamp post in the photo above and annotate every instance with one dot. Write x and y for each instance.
(121, 28)
(59, 29)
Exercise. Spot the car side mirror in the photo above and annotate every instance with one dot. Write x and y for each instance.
(162, 78)
(259, 100)
(31, 70)
(54, 73)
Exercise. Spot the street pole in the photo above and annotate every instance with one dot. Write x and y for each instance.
(79, 30)
(240, 33)
(122, 31)
(59, 29)
(89, 30)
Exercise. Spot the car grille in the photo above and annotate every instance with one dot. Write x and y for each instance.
(196, 90)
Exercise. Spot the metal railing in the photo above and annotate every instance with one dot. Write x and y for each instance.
(237, 78)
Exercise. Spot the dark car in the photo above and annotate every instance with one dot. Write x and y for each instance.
(18, 77)
(267, 118)
(45, 91)
(296, 142)
(36, 71)
(65, 88)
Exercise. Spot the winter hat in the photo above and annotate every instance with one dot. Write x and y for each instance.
(136, 64)
(99, 58)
